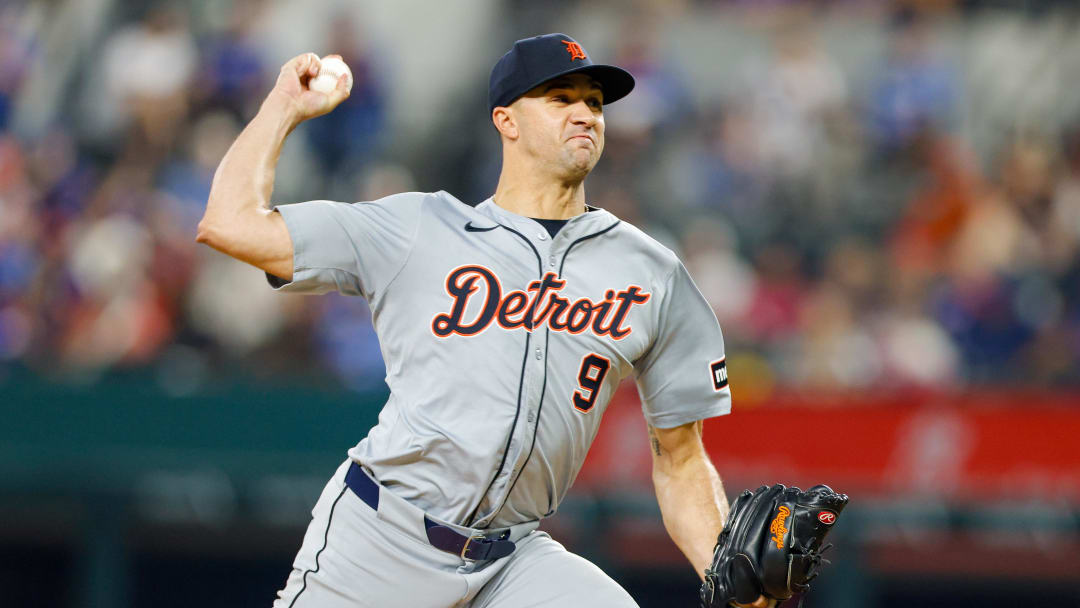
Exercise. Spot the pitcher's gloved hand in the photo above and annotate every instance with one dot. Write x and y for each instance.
(771, 545)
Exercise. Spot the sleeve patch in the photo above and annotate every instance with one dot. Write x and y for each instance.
(718, 371)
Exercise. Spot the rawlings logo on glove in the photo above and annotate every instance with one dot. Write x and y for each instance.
(771, 545)
(778, 528)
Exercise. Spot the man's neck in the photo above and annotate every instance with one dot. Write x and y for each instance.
(540, 197)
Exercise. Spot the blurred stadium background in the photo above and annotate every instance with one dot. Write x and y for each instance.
(881, 201)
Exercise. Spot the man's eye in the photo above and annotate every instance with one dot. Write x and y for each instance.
(560, 98)
(595, 103)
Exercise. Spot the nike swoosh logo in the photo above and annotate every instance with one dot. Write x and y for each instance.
(470, 228)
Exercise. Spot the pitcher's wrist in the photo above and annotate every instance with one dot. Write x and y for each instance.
(281, 109)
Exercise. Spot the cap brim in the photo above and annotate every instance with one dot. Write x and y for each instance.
(615, 82)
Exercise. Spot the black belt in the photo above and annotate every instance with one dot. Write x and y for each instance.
(441, 537)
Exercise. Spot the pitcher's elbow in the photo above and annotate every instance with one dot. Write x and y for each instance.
(206, 233)
(202, 235)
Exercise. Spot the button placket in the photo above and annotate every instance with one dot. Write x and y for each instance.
(525, 430)
(523, 433)
(533, 392)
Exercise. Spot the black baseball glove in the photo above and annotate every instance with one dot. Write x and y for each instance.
(771, 545)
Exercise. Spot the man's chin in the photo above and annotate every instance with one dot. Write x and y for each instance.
(580, 164)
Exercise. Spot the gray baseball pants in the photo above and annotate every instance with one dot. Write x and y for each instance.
(353, 556)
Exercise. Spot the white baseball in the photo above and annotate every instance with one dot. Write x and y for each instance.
(330, 69)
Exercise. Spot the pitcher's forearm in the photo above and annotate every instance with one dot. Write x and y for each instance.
(238, 220)
(244, 180)
(693, 505)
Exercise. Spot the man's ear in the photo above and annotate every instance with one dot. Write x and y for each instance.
(505, 122)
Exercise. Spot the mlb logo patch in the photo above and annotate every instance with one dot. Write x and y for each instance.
(718, 371)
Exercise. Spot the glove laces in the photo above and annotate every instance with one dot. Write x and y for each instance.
(814, 557)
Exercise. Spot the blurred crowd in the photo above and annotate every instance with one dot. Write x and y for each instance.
(848, 236)
(855, 238)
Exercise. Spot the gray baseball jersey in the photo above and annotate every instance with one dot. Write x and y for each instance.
(504, 345)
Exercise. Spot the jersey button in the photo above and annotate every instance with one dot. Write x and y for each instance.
(531, 417)
(539, 354)
(551, 261)
(542, 236)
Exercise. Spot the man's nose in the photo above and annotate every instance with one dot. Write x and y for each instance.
(582, 114)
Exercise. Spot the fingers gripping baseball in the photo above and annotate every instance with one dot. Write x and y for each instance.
(294, 82)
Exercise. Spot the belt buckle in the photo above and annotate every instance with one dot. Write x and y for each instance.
(469, 541)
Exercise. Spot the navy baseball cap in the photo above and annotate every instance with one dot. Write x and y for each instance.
(535, 60)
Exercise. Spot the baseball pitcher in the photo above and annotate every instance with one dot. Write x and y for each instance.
(505, 326)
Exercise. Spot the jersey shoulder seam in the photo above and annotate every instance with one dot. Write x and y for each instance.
(412, 242)
(665, 284)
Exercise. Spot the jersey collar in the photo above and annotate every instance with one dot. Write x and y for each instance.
(592, 221)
